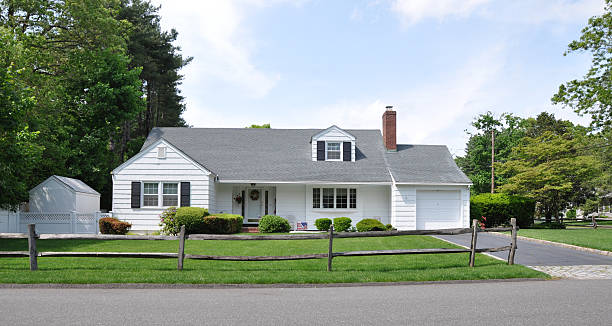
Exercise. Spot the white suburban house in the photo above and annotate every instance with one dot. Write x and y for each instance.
(300, 174)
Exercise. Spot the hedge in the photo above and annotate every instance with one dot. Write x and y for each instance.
(370, 224)
(222, 223)
(191, 217)
(323, 224)
(109, 225)
(342, 224)
(498, 209)
(273, 224)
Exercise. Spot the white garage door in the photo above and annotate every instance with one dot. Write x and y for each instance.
(438, 209)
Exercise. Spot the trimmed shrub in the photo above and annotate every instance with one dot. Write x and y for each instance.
(389, 227)
(323, 224)
(273, 224)
(342, 224)
(222, 224)
(370, 224)
(499, 208)
(191, 217)
(110, 225)
(571, 214)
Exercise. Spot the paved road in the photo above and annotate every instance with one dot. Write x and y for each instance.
(562, 302)
(531, 253)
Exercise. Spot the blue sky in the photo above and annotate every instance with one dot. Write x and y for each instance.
(311, 64)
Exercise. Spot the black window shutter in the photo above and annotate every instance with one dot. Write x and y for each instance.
(346, 149)
(135, 194)
(185, 194)
(320, 151)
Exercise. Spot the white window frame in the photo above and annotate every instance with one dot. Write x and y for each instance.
(348, 199)
(160, 194)
(340, 150)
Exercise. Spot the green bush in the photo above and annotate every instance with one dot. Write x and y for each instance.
(389, 227)
(273, 224)
(323, 224)
(571, 214)
(167, 221)
(342, 224)
(191, 217)
(499, 208)
(370, 224)
(222, 224)
(110, 225)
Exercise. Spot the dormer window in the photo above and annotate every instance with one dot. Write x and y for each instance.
(333, 144)
(333, 152)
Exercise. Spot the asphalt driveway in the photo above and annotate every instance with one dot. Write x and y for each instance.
(531, 253)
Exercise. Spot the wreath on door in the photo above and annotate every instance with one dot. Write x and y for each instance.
(254, 194)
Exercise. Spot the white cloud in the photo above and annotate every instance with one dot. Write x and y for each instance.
(515, 11)
(413, 11)
(213, 32)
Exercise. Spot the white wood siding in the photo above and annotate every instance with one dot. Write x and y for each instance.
(52, 196)
(223, 198)
(147, 167)
(405, 213)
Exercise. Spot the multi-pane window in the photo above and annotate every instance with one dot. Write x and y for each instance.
(334, 198)
(316, 197)
(170, 194)
(150, 194)
(328, 197)
(353, 198)
(341, 199)
(333, 151)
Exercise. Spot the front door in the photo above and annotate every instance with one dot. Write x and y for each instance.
(253, 207)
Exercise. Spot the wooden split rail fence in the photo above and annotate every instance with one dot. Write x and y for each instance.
(33, 253)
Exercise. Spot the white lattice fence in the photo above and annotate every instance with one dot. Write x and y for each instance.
(59, 222)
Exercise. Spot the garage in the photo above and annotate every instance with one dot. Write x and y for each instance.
(438, 209)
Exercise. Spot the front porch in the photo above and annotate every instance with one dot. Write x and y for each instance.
(252, 201)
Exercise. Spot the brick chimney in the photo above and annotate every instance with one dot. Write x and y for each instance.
(388, 129)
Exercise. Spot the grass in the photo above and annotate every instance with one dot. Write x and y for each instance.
(591, 238)
(346, 269)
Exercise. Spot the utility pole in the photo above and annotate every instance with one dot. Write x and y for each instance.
(492, 160)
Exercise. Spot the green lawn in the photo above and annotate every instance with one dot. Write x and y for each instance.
(590, 238)
(346, 269)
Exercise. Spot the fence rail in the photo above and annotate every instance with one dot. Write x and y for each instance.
(33, 254)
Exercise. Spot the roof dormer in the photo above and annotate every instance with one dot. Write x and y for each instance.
(333, 144)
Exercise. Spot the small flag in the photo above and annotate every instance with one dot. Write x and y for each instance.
(302, 226)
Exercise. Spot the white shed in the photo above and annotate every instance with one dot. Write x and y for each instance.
(63, 194)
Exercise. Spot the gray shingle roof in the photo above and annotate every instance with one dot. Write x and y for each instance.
(286, 155)
(424, 164)
(76, 185)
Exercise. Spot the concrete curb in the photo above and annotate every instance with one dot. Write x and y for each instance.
(559, 244)
(249, 286)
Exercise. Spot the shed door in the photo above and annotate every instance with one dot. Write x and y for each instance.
(438, 209)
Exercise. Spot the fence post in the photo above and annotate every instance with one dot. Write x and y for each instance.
(72, 222)
(330, 252)
(181, 252)
(97, 221)
(513, 244)
(32, 247)
(473, 246)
